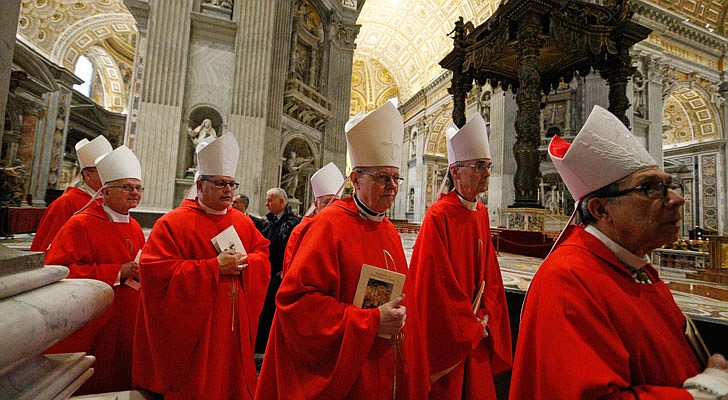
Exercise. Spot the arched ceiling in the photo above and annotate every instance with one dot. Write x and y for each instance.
(409, 37)
(62, 30)
(688, 119)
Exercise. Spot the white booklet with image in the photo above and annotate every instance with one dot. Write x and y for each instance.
(228, 239)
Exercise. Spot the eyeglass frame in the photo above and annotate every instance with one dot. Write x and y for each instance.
(398, 180)
(676, 187)
(128, 188)
(222, 184)
(487, 166)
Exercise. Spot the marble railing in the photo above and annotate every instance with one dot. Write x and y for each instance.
(37, 309)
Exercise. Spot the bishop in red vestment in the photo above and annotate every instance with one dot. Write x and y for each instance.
(73, 199)
(321, 346)
(101, 243)
(199, 308)
(458, 284)
(597, 321)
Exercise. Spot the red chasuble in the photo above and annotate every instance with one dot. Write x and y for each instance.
(94, 247)
(196, 328)
(321, 346)
(60, 211)
(293, 242)
(589, 331)
(452, 257)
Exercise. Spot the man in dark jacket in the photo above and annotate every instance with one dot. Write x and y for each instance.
(281, 221)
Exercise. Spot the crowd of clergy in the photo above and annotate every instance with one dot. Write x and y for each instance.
(597, 322)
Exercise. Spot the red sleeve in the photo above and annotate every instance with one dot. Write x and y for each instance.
(72, 248)
(494, 305)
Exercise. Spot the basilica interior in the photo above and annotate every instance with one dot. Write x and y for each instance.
(284, 77)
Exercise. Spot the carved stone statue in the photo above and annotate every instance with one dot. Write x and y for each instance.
(12, 185)
(292, 172)
(221, 3)
(200, 133)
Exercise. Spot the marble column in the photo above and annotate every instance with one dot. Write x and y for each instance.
(251, 94)
(341, 57)
(160, 106)
(8, 28)
(140, 10)
(26, 145)
(43, 150)
(502, 138)
(655, 106)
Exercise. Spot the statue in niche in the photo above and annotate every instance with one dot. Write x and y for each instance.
(221, 3)
(300, 63)
(12, 184)
(638, 82)
(485, 106)
(199, 134)
(292, 171)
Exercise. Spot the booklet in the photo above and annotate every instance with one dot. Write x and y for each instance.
(131, 282)
(377, 286)
(228, 239)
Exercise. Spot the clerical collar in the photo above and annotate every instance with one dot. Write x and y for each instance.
(209, 210)
(366, 213)
(88, 190)
(633, 262)
(470, 205)
(115, 216)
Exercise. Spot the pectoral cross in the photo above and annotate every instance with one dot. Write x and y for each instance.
(233, 294)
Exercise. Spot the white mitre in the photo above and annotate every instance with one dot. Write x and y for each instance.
(218, 156)
(88, 151)
(118, 164)
(603, 152)
(375, 139)
(327, 180)
(468, 143)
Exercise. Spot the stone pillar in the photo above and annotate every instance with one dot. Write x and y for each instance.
(423, 132)
(502, 138)
(157, 134)
(655, 106)
(594, 92)
(8, 28)
(140, 10)
(31, 113)
(528, 99)
(251, 95)
(341, 59)
(43, 149)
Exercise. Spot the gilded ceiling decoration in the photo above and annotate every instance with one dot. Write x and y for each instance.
(688, 118)
(409, 37)
(62, 30)
(371, 85)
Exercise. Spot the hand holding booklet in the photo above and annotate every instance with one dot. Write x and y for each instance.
(131, 282)
(228, 239)
(377, 286)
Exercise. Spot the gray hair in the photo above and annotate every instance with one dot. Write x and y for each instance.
(584, 214)
(278, 192)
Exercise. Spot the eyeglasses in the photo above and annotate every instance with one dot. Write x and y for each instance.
(655, 190)
(384, 179)
(128, 188)
(223, 184)
(480, 166)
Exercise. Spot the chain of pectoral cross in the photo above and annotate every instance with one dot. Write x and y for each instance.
(233, 294)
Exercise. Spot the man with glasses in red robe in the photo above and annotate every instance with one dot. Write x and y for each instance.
(321, 345)
(102, 242)
(458, 284)
(200, 300)
(598, 322)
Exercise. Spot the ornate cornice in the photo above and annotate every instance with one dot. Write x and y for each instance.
(677, 26)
